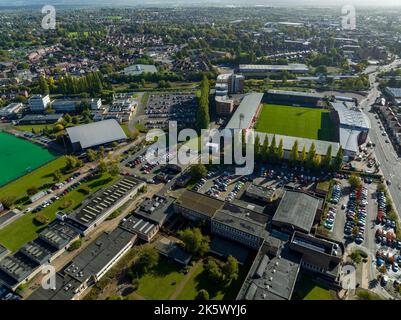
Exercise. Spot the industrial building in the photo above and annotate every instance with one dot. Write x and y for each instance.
(41, 119)
(11, 111)
(100, 205)
(353, 125)
(95, 134)
(264, 70)
(38, 103)
(65, 105)
(89, 266)
(148, 218)
(297, 211)
(28, 261)
(260, 193)
(394, 94)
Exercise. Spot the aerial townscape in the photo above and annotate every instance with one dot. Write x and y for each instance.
(97, 105)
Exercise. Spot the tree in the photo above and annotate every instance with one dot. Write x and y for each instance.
(101, 151)
(311, 156)
(194, 241)
(57, 176)
(102, 167)
(7, 201)
(58, 127)
(32, 190)
(202, 295)
(43, 86)
(273, 149)
(75, 245)
(355, 182)
(326, 162)
(257, 147)
(317, 161)
(265, 149)
(302, 158)
(91, 155)
(280, 150)
(294, 152)
(114, 169)
(338, 160)
(213, 270)
(148, 259)
(67, 118)
(198, 171)
(230, 269)
(72, 162)
(202, 115)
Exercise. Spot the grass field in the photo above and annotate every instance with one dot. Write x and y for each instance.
(309, 290)
(200, 280)
(19, 156)
(25, 229)
(161, 282)
(38, 178)
(312, 123)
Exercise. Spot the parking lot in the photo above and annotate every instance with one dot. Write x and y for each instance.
(162, 108)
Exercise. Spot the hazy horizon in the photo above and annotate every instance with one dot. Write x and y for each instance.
(318, 3)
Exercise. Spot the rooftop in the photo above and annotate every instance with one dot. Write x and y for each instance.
(138, 225)
(242, 219)
(96, 133)
(155, 209)
(269, 67)
(246, 111)
(17, 266)
(101, 202)
(350, 116)
(137, 69)
(58, 234)
(173, 250)
(297, 209)
(199, 202)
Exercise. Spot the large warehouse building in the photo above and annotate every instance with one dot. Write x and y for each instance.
(95, 134)
(263, 70)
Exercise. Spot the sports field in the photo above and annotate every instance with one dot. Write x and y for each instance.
(18, 157)
(312, 123)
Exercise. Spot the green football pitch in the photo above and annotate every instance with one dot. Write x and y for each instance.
(18, 157)
(312, 123)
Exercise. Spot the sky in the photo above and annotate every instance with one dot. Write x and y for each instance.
(206, 2)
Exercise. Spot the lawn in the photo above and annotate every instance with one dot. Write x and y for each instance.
(312, 123)
(161, 282)
(200, 280)
(309, 290)
(25, 229)
(38, 178)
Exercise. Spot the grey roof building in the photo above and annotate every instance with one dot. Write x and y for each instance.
(95, 134)
(90, 265)
(58, 235)
(3, 252)
(296, 211)
(138, 69)
(101, 204)
(144, 228)
(40, 118)
(244, 116)
(156, 209)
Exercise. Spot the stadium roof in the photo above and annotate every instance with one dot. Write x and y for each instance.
(295, 93)
(288, 142)
(96, 133)
(246, 110)
(350, 116)
(297, 209)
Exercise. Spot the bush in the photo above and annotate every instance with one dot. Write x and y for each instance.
(66, 204)
(41, 218)
(7, 201)
(75, 245)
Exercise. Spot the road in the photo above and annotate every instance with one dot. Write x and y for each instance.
(389, 162)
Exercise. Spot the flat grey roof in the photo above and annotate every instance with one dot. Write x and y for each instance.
(199, 202)
(156, 209)
(138, 225)
(36, 117)
(36, 252)
(395, 92)
(260, 191)
(246, 111)
(295, 93)
(137, 69)
(58, 234)
(17, 266)
(96, 133)
(98, 254)
(297, 209)
(270, 67)
(243, 219)
(271, 278)
(173, 250)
